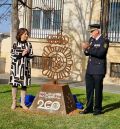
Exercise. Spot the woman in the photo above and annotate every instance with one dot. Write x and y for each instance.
(20, 74)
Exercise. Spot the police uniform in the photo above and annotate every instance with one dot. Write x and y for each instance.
(95, 73)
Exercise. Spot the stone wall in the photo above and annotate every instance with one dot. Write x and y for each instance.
(76, 17)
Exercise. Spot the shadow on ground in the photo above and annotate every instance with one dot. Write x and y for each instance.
(5, 91)
(111, 107)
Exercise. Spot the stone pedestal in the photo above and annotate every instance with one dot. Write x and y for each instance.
(54, 98)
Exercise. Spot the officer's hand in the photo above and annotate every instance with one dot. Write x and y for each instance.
(85, 45)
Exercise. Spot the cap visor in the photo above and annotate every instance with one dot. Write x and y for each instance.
(89, 30)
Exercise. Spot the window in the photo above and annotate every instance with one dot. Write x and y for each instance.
(37, 62)
(57, 19)
(115, 70)
(46, 19)
(114, 21)
(40, 62)
(36, 19)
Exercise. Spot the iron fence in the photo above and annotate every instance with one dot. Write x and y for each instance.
(110, 19)
(47, 19)
(115, 70)
(114, 21)
(40, 62)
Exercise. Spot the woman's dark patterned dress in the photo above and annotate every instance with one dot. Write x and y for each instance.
(20, 73)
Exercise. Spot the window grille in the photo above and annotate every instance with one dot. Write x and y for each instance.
(48, 19)
(114, 21)
(37, 62)
(40, 62)
(115, 70)
(110, 19)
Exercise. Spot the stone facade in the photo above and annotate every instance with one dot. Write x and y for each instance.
(76, 17)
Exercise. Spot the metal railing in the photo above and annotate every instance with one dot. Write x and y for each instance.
(110, 19)
(114, 21)
(40, 62)
(115, 70)
(47, 19)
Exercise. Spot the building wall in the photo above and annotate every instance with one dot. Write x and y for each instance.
(5, 54)
(77, 15)
(6, 60)
(112, 57)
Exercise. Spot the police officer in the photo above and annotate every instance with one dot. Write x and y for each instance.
(96, 49)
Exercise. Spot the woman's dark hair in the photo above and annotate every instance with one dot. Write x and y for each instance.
(20, 32)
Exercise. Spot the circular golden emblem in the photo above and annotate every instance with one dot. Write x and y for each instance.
(57, 62)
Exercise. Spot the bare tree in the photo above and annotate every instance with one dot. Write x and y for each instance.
(15, 20)
(104, 16)
(15, 16)
(29, 15)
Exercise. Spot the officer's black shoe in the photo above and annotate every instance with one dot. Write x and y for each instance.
(86, 111)
(97, 113)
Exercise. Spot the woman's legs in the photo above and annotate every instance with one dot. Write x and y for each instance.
(14, 97)
(23, 94)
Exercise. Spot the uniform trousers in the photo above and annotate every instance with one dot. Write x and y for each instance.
(94, 88)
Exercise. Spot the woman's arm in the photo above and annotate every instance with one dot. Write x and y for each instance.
(15, 53)
(30, 51)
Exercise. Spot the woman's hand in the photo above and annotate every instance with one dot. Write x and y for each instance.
(25, 52)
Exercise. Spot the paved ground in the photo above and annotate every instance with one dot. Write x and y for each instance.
(113, 88)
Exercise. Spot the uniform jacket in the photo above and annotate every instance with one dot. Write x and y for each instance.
(97, 55)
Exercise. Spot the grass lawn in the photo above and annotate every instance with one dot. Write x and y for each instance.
(20, 119)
